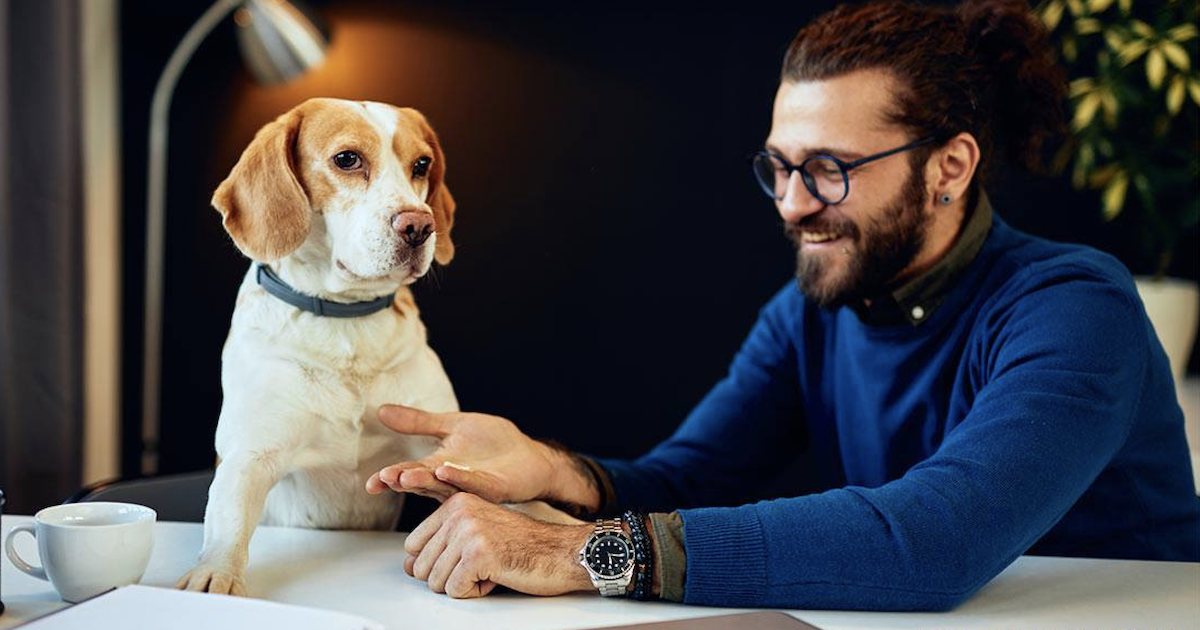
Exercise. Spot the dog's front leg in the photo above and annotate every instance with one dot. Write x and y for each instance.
(235, 505)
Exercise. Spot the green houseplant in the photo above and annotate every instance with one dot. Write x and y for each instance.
(1135, 138)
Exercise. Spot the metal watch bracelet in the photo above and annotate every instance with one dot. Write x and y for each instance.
(614, 586)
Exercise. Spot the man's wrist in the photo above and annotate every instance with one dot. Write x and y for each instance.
(578, 577)
(572, 483)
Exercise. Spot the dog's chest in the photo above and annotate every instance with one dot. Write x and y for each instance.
(326, 487)
(346, 404)
(322, 382)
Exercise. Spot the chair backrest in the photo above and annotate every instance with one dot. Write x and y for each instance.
(180, 497)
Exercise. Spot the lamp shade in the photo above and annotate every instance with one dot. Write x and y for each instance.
(279, 39)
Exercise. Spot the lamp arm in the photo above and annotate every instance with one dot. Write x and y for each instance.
(156, 222)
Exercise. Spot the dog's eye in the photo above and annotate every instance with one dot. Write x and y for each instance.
(421, 166)
(347, 160)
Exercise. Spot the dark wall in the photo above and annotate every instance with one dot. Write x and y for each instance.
(612, 248)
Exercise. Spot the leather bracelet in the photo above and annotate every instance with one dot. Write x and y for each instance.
(644, 557)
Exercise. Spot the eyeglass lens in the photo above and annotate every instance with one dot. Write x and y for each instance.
(822, 177)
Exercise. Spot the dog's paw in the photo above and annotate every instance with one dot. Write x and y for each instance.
(213, 578)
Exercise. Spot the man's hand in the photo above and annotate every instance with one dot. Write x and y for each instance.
(484, 455)
(468, 546)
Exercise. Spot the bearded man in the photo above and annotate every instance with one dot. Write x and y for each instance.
(967, 393)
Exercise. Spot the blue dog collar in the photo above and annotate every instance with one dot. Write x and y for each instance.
(315, 305)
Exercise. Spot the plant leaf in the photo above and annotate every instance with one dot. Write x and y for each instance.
(1082, 86)
(1070, 52)
(1085, 111)
(1156, 68)
(1108, 101)
(1062, 157)
(1131, 51)
(1115, 39)
(1175, 94)
(1075, 6)
(1125, 5)
(1142, 28)
(1098, 6)
(1103, 175)
(1194, 90)
(1176, 55)
(1087, 26)
(1114, 195)
(1083, 162)
(1052, 14)
(1182, 33)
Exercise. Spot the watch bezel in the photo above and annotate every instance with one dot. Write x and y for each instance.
(596, 539)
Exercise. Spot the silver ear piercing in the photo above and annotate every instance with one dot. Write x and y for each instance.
(946, 199)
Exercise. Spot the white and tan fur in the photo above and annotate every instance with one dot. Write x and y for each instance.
(298, 434)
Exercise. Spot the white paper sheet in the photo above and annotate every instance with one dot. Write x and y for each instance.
(149, 608)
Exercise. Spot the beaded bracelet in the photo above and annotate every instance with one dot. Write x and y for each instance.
(644, 557)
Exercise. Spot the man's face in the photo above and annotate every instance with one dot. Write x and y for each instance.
(850, 251)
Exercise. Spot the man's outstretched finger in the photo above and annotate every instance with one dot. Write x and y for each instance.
(413, 477)
(390, 475)
(375, 485)
(421, 480)
(412, 421)
(476, 482)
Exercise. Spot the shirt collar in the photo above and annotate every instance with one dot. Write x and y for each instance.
(915, 301)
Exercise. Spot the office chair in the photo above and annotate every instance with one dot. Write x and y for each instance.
(183, 497)
(180, 497)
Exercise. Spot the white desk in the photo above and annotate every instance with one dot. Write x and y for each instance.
(362, 573)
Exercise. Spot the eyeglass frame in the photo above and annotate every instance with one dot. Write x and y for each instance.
(843, 166)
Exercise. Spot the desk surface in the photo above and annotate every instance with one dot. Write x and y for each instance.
(362, 573)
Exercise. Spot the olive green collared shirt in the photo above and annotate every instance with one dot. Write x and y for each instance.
(915, 300)
(911, 303)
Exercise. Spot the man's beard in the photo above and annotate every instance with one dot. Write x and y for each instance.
(885, 247)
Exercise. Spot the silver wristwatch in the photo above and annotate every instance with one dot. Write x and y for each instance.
(608, 557)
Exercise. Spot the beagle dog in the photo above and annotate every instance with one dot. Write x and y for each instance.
(340, 205)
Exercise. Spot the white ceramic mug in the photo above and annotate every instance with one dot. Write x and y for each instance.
(88, 548)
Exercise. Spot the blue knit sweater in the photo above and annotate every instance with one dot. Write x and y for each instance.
(1033, 412)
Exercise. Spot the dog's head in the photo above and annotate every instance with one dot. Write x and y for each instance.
(358, 187)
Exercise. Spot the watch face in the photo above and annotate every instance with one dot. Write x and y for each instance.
(609, 555)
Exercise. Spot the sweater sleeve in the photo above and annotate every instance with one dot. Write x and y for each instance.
(1061, 374)
(740, 436)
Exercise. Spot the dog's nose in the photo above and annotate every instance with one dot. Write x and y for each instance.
(414, 227)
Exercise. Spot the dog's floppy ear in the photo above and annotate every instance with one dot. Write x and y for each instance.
(439, 199)
(262, 204)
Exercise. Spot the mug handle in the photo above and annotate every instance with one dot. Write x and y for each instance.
(11, 550)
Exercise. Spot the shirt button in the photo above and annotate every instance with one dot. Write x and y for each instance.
(918, 312)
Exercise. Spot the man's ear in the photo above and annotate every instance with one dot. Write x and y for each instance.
(263, 207)
(439, 199)
(954, 165)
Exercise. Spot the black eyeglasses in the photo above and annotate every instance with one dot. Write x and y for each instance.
(825, 176)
